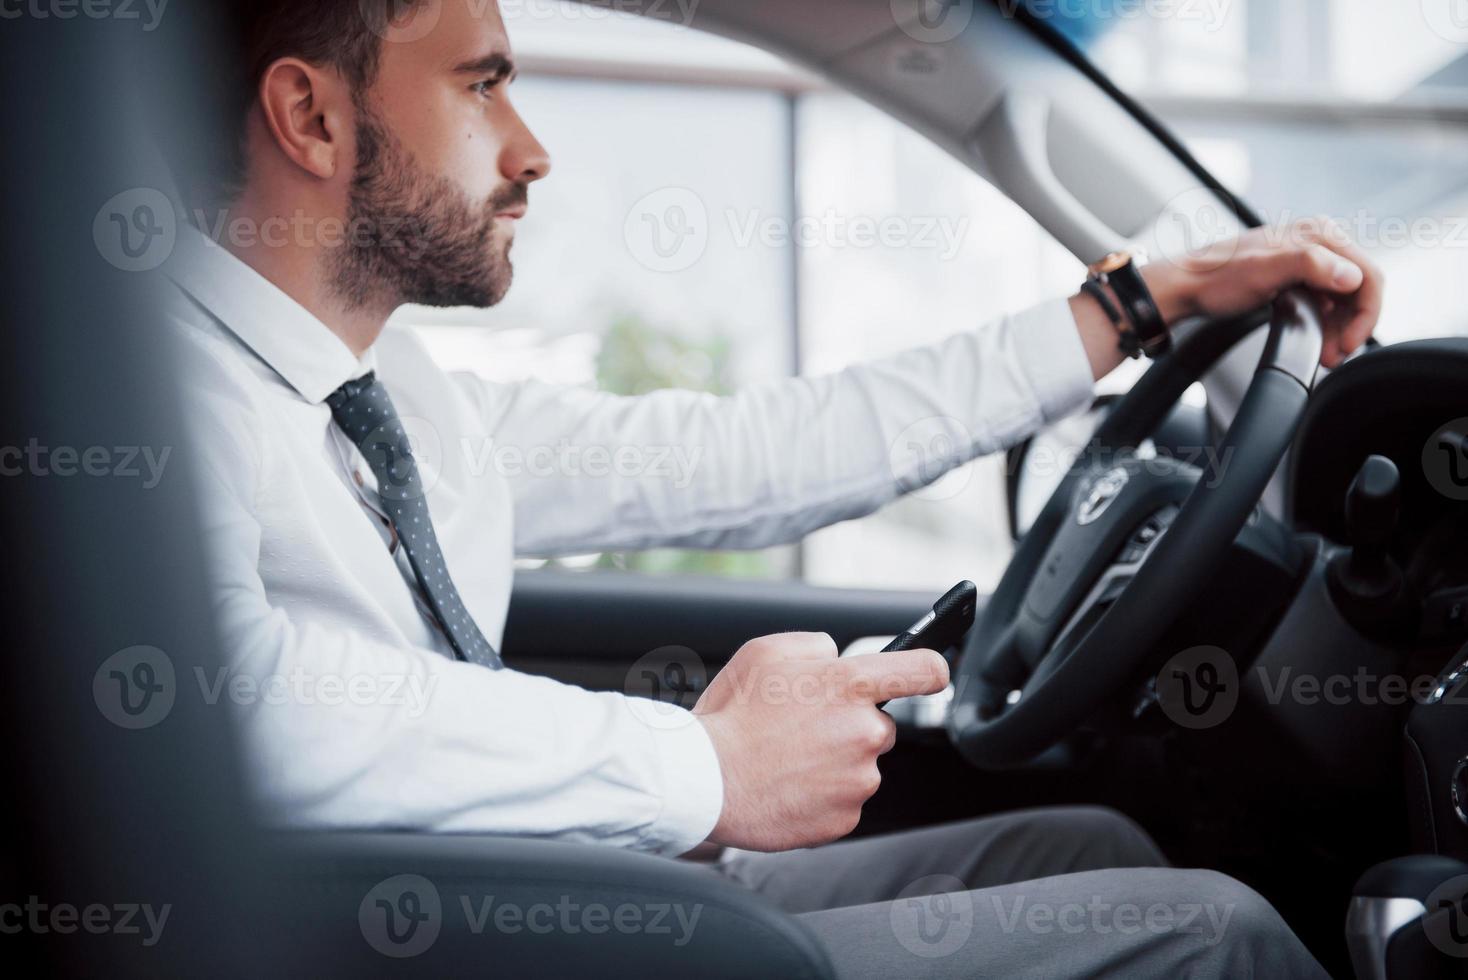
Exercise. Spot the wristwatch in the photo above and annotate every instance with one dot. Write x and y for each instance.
(1140, 322)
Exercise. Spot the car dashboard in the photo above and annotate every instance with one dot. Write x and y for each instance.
(1409, 404)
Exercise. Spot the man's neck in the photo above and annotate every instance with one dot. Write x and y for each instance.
(300, 267)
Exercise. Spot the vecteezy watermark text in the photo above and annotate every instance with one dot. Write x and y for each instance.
(64, 918)
(137, 230)
(675, 12)
(939, 21)
(402, 916)
(1201, 687)
(676, 464)
(137, 688)
(934, 916)
(125, 462)
(669, 229)
(1099, 917)
(148, 12)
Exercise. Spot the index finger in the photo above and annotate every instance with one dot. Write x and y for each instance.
(1366, 300)
(878, 677)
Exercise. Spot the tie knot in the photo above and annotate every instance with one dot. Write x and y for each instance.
(363, 410)
(348, 392)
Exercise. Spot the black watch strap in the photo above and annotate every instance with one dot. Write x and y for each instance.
(1128, 342)
(1118, 271)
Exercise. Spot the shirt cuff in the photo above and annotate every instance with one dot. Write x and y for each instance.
(1053, 358)
(693, 785)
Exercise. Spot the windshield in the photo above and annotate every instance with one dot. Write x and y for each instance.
(1355, 109)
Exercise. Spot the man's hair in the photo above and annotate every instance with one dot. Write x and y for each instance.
(343, 34)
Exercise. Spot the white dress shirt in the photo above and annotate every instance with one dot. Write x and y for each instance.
(354, 711)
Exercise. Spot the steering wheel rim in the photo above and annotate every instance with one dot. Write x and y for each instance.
(1012, 647)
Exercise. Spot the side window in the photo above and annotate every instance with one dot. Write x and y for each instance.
(956, 254)
(716, 217)
(1331, 107)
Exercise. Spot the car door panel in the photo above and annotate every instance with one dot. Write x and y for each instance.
(589, 628)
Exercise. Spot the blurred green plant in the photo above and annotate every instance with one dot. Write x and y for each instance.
(637, 357)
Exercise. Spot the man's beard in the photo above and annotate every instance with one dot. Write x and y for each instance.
(415, 238)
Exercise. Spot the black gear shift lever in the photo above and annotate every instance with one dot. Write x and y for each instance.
(1365, 582)
(1408, 919)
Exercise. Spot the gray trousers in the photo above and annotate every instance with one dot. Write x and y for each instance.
(1050, 893)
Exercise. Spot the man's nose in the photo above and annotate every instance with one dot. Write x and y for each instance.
(523, 159)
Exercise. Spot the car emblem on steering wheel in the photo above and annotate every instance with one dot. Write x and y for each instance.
(1103, 492)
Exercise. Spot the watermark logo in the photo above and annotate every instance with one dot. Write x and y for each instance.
(405, 454)
(401, 916)
(1445, 460)
(933, 917)
(675, 13)
(1446, 922)
(664, 685)
(135, 688)
(928, 449)
(136, 230)
(401, 21)
(1197, 230)
(1199, 688)
(932, 21)
(1448, 19)
(667, 230)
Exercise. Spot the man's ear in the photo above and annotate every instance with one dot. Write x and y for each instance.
(308, 112)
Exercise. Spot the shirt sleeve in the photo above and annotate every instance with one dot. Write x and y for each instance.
(595, 471)
(351, 732)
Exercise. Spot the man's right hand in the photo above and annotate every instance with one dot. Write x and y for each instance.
(798, 733)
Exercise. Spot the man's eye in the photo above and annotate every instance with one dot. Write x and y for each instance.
(485, 87)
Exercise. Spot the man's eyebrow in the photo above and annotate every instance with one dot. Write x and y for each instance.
(499, 66)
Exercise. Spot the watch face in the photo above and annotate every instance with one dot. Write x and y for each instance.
(1110, 263)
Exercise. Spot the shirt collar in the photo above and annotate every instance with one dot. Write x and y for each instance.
(281, 332)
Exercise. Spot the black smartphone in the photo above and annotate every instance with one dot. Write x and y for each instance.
(945, 625)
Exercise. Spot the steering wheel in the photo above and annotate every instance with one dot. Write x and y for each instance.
(1124, 544)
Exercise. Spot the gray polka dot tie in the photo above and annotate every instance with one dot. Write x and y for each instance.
(366, 414)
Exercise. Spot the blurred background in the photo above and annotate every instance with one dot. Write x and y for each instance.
(717, 217)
